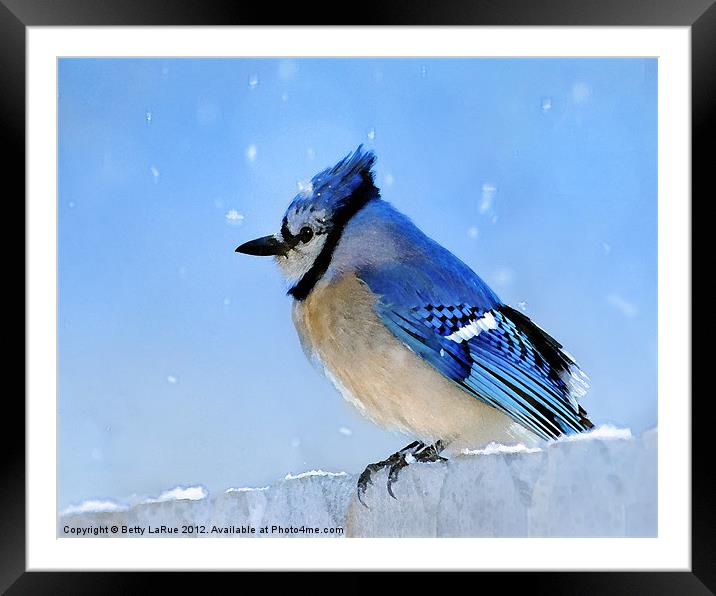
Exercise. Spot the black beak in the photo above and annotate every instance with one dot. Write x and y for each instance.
(264, 247)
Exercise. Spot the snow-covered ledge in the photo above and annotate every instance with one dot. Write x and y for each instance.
(600, 484)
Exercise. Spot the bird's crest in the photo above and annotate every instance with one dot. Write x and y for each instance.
(359, 163)
(349, 181)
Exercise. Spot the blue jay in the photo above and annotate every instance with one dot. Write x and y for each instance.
(408, 333)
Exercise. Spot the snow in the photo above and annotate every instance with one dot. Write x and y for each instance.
(599, 484)
(190, 493)
(287, 69)
(251, 152)
(596, 486)
(313, 473)
(497, 448)
(234, 217)
(625, 307)
(581, 92)
(305, 188)
(245, 489)
(604, 432)
(503, 276)
(93, 506)
(488, 195)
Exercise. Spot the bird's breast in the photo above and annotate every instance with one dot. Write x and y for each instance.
(339, 328)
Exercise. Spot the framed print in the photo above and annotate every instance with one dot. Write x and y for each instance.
(468, 348)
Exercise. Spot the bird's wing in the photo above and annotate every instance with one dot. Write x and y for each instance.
(490, 350)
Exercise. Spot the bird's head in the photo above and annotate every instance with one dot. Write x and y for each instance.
(314, 221)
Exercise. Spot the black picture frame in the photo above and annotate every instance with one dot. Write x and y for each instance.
(17, 15)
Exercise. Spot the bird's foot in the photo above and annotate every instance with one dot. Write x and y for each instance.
(430, 453)
(416, 451)
(366, 477)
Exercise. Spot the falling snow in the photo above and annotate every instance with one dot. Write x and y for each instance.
(287, 69)
(625, 307)
(251, 153)
(305, 187)
(581, 92)
(234, 217)
(503, 277)
(487, 197)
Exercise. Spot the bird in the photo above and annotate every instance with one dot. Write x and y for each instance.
(408, 333)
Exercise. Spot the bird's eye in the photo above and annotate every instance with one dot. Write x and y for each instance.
(305, 234)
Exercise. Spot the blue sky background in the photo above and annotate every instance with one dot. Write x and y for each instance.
(178, 362)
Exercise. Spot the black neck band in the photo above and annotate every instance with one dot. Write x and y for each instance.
(360, 197)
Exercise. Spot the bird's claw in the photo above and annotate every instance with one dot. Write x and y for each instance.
(416, 451)
(393, 472)
(364, 480)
